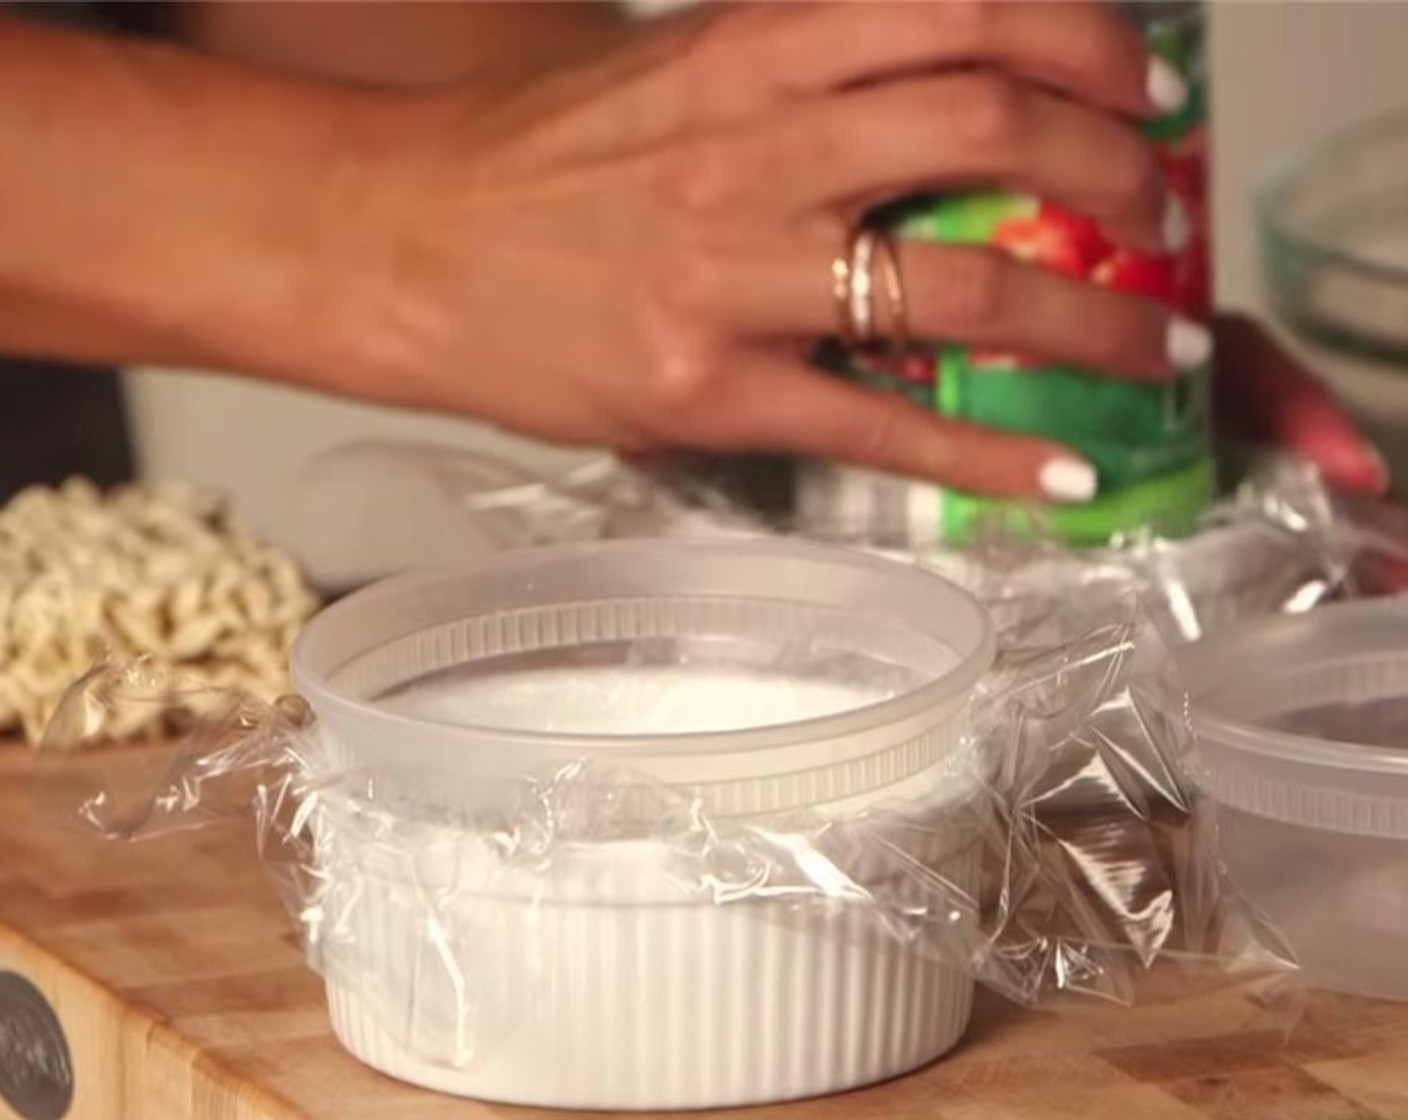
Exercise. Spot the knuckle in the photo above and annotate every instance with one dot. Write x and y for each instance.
(877, 437)
(1098, 41)
(1136, 183)
(685, 381)
(971, 290)
(806, 143)
(684, 283)
(1131, 338)
(990, 116)
(1103, 42)
(724, 60)
(682, 372)
(1088, 43)
(968, 22)
(697, 178)
(676, 291)
(708, 47)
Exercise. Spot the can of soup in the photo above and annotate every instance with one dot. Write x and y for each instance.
(1151, 445)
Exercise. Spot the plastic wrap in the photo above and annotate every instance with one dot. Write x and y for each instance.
(1279, 541)
(581, 931)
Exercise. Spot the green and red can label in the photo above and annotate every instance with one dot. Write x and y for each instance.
(1150, 444)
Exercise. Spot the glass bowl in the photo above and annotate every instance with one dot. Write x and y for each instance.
(1334, 228)
(1334, 235)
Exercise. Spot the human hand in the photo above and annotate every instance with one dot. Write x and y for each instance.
(1266, 396)
(637, 253)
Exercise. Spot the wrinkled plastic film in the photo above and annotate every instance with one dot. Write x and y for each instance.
(1280, 541)
(1110, 865)
(465, 939)
(1061, 850)
(134, 751)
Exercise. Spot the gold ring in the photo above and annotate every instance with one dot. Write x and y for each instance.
(861, 304)
(853, 286)
(893, 280)
(841, 293)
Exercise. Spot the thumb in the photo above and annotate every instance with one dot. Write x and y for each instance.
(1268, 396)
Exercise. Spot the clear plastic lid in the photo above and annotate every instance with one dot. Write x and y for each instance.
(1304, 718)
(760, 676)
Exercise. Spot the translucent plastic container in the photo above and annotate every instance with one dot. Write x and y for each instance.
(1302, 726)
(765, 680)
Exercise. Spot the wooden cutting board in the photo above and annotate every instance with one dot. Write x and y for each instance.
(180, 994)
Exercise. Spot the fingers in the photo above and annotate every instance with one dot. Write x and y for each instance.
(952, 131)
(766, 404)
(982, 297)
(1270, 397)
(1085, 50)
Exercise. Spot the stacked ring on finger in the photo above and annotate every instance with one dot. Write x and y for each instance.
(853, 286)
(893, 280)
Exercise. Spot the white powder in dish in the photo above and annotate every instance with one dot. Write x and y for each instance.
(633, 699)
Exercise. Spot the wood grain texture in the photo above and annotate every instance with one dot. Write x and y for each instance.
(184, 997)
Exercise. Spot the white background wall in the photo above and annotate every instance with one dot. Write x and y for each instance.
(1284, 72)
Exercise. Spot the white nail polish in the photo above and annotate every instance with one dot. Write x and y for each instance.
(1165, 86)
(1175, 225)
(1067, 480)
(1189, 343)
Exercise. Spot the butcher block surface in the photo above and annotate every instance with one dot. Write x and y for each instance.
(182, 994)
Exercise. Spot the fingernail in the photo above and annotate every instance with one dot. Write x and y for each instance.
(1175, 227)
(1189, 343)
(1067, 480)
(1165, 86)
